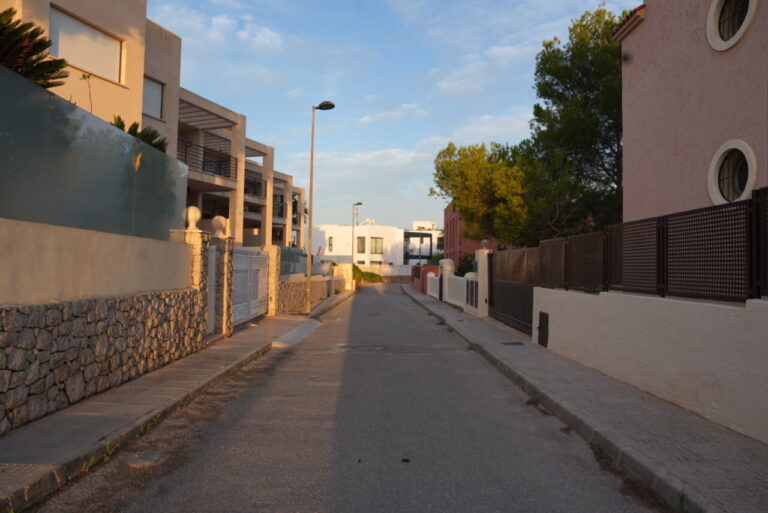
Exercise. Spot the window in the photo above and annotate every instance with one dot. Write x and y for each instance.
(85, 47)
(727, 22)
(732, 172)
(361, 244)
(330, 244)
(733, 175)
(153, 98)
(377, 246)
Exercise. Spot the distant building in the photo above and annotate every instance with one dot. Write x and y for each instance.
(455, 244)
(373, 245)
(377, 244)
(694, 104)
(423, 241)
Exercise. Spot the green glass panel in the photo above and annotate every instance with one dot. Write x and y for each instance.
(64, 166)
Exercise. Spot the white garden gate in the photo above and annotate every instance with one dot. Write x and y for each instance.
(250, 275)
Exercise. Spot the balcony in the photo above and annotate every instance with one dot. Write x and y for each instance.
(278, 209)
(207, 160)
(255, 188)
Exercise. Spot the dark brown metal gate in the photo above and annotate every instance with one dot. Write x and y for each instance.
(513, 275)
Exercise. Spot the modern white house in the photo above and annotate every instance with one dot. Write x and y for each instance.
(377, 245)
(374, 244)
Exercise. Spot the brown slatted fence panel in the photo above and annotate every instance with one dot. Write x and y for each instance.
(553, 263)
(586, 262)
(708, 253)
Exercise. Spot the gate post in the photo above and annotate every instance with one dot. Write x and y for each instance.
(273, 279)
(481, 257)
(446, 269)
(224, 284)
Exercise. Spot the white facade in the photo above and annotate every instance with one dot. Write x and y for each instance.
(374, 244)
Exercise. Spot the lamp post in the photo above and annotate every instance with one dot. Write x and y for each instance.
(326, 105)
(354, 209)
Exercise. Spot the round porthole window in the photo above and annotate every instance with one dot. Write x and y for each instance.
(728, 20)
(732, 172)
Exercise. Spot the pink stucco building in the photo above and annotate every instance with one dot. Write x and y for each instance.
(695, 104)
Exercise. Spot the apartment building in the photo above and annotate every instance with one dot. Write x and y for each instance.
(121, 63)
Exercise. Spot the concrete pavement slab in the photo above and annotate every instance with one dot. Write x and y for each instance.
(40, 457)
(692, 463)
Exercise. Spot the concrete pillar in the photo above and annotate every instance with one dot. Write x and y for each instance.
(483, 285)
(288, 230)
(268, 167)
(273, 281)
(224, 285)
(447, 268)
(237, 197)
(301, 221)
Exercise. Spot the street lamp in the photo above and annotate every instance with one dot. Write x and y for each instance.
(326, 105)
(354, 209)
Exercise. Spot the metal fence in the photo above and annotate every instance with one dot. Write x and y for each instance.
(718, 253)
(207, 160)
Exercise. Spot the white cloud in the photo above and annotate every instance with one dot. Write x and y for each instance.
(393, 114)
(296, 92)
(505, 128)
(260, 37)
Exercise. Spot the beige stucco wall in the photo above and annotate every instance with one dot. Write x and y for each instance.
(163, 63)
(42, 263)
(707, 357)
(125, 20)
(682, 100)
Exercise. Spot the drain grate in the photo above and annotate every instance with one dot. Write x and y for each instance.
(362, 349)
(512, 344)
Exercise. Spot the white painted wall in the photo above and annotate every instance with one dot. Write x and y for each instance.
(41, 263)
(708, 357)
(342, 240)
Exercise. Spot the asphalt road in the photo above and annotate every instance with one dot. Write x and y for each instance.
(380, 409)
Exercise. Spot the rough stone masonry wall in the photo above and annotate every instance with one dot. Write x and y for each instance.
(291, 294)
(56, 354)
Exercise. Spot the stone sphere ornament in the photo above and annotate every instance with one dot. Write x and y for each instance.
(219, 225)
(192, 216)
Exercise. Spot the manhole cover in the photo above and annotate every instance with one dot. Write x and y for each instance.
(359, 349)
(511, 343)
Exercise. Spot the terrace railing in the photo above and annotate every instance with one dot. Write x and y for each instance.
(207, 160)
(255, 188)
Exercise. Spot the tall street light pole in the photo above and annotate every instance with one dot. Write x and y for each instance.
(354, 209)
(326, 105)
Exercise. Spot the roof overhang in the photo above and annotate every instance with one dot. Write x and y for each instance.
(635, 17)
(257, 149)
(198, 112)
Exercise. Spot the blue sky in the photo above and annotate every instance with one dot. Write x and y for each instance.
(407, 76)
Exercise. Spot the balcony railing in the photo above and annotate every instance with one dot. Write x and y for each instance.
(255, 188)
(207, 160)
(278, 209)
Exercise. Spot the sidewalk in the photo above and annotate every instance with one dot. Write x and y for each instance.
(693, 464)
(38, 458)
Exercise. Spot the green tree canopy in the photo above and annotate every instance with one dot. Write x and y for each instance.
(23, 49)
(566, 177)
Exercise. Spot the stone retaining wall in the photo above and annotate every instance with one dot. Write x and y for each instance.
(56, 354)
(291, 296)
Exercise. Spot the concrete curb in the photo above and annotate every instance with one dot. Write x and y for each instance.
(669, 488)
(43, 482)
(331, 302)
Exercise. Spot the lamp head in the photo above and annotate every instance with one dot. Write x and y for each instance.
(357, 204)
(326, 105)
